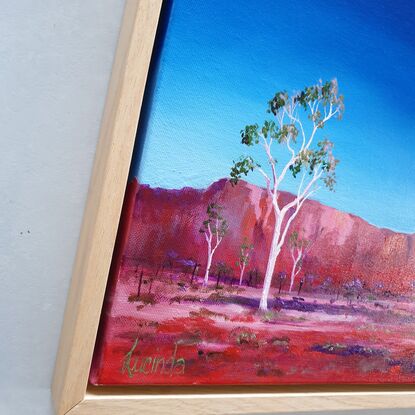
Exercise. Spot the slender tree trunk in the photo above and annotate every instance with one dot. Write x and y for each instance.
(157, 272)
(296, 268)
(272, 259)
(279, 291)
(242, 274)
(193, 274)
(139, 284)
(217, 280)
(256, 278)
(294, 273)
(208, 265)
(292, 279)
(301, 286)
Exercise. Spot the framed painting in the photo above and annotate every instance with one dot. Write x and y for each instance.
(248, 244)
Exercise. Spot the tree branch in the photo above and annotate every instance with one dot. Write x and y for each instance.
(272, 162)
(290, 219)
(296, 120)
(290, 149)
(209, 232)
(217, 233)
(301, 184)
(267, 179)
(316, 176)
(286, 167)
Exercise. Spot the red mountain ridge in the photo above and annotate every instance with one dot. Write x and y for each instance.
(345, 246)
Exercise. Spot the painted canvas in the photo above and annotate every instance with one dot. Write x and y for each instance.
(268, 228)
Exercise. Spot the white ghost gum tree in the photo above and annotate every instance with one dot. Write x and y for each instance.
(214, 228)
(313, 162)
(244, 256)
(297, 249)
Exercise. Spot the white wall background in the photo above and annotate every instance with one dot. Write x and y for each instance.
(55, 62)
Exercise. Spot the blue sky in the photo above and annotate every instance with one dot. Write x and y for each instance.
(222, 61)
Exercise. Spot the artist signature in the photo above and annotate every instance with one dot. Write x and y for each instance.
(134, 365)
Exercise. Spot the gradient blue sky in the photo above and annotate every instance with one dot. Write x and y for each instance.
(223, 60)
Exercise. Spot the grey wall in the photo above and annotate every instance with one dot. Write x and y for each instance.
(55, 61)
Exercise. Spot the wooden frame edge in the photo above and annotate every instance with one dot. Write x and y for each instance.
(104, 202)
(108, 401)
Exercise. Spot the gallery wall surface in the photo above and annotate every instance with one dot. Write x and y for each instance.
(55, 62)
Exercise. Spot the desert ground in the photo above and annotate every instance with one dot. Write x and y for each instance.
(176, 332)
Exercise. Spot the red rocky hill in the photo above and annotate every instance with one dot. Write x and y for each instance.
(345, 245)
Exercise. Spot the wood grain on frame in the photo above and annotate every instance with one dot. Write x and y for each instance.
(103, 208)
(242, 400)
(93, 259)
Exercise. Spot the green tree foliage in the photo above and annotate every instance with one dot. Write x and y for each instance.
(214, 223)
(320, 102)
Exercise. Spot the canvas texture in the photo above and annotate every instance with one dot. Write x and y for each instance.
(267, 234)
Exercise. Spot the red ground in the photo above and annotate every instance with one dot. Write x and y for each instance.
(221, 338)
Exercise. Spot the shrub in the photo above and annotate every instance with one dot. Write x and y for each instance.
(146, 299)
(270, 316)
(244, 336)
(282, 344)
(204, 312)
(184, 298)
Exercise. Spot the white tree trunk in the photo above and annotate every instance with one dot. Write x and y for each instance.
(272, 259)
(242, 274)
(296, 267)
(208, 265)
(293, 273)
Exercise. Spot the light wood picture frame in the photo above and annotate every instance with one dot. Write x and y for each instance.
(70, 390)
